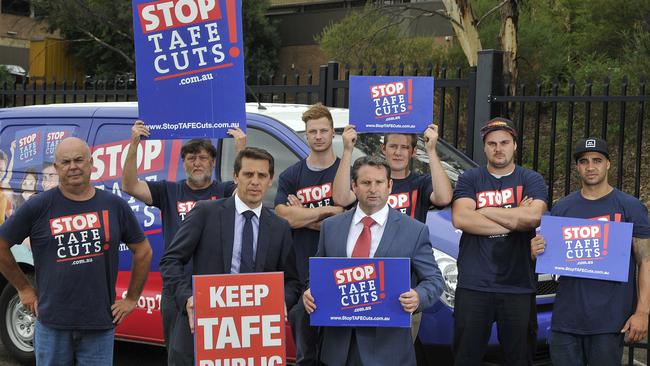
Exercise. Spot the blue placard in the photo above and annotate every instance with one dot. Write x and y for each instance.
(384, 104)
(190, 67)
(586, 248)
(359, 292)
(29, 148)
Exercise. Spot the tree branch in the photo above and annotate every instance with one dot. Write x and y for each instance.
(478, 22)
(115, 49)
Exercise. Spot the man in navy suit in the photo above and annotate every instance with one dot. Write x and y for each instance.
(373, 229)
(231, 235)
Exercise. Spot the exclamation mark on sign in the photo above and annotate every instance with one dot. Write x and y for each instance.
(381, 280)
(107, 229)
(410, 93)
(605, 237)
(231, 12)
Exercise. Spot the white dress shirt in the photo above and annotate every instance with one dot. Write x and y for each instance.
(376, 230)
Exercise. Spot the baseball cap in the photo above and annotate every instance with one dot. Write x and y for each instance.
(496, 124)
(590, 144)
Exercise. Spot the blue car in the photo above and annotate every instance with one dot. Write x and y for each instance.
(275, 127)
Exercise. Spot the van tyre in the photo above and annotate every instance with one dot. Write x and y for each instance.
(17, 325)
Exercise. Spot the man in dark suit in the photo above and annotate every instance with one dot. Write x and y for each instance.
(232, 235)
(373, 229)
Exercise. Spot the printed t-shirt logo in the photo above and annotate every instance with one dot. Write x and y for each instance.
(79, 236)
(404, 202)
(498, 198)
(184, 207)
(315, 196)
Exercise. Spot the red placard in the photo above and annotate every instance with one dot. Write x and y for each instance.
(239, 319)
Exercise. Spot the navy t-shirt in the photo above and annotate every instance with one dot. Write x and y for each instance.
(176, 199)
(498, 263)
(313, 189)
(412, 195)
(76, 250)
(587, 306)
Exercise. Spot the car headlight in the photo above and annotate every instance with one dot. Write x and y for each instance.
(449, 269)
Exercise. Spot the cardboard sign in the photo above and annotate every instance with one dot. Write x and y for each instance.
(29, 148)
(359, 292)
(190, 67)
(586, 248)
(391, 103)
(239, 319)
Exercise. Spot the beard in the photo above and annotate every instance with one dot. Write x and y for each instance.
(199, 180)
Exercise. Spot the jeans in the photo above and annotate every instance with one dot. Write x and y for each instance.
(474, 313)
(579, 350)
(67, 347)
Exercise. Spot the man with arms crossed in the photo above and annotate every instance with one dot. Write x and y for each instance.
(498, 207)
(304, 199)
(75, 233)
(375, 230)
(591, 317)
(230, 235)
(175, 199)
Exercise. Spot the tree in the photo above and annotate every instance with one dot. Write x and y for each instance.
(99, 33)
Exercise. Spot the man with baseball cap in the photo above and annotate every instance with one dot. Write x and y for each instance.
(498, 207)
(591, 317)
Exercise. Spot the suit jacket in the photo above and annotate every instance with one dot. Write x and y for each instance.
(402, 237)
(206, 238)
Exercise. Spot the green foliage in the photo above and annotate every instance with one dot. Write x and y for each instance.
(100, 33)
(563, 39)
(372, 36)
(5, 77)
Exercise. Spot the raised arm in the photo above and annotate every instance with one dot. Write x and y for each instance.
(465, 217)
(240, 139)
(131, 184)
(341, 192)
(442, 193)
(525, 217)
(637, 324)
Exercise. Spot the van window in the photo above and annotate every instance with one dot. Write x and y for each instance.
(282, 155)
(26, 158)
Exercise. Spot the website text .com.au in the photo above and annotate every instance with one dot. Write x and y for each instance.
(388, 125)
(360, 317)
(192, 125)
(196, 79)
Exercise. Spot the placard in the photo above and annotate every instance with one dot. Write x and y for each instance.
(189, 67)
(29, 148)
(402, 104)
(586, 248)
(359, 292)
(239, 319)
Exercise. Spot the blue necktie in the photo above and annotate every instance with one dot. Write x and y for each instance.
(247, 264)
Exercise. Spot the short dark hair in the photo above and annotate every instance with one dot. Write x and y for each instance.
(253, 153)
(369, 160)
(414, 138)
(194, 146)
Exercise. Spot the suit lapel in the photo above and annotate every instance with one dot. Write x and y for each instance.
(390, 232)
(341, 235)
(227, 232)
(263, 235)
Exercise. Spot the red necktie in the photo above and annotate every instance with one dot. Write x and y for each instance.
(362, 247)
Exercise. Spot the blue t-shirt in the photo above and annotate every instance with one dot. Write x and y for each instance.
(587, 306)
(76, 252)
(498, 263)
(176, 199)
(313, 189)
(412, 195)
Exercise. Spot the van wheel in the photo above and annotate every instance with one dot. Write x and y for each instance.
(17, 325)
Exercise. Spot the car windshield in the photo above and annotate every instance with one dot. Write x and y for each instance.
(453, 162)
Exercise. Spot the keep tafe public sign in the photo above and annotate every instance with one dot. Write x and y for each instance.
(190, 67)
(239, 319)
